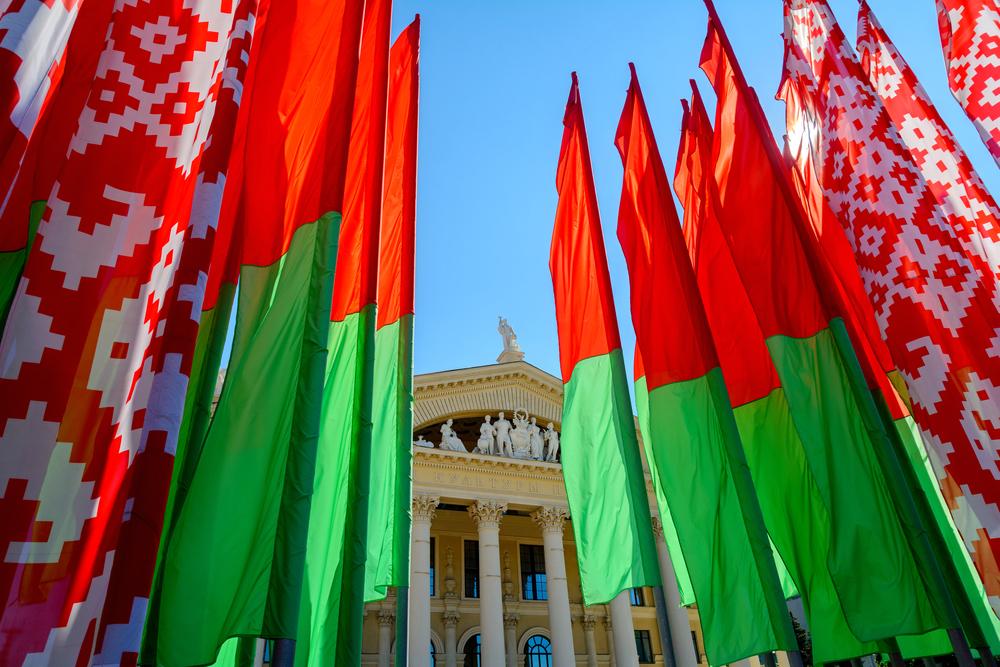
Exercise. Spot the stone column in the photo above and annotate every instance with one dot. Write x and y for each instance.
(450, 619)
(589, 623)
(487, 515)
(420, 581)
(550, 519)
(386, 621)
(621, 624)
(677, 616)
(510, 620)
(610, 633)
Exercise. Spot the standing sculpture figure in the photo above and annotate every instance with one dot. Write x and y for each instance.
(450, 440)
(552, 440)
(509, 337)
(486, 444)
(535, 443)
(502, 430)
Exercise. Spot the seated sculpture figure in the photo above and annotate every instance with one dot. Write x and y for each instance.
(450, 440)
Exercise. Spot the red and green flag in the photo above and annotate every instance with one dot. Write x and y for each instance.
(602, 468)
(392, 403)
(333, 598)
(843, 440)
(232, 563)
(693, 443)
(795, 513)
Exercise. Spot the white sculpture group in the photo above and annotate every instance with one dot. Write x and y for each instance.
(522, 439)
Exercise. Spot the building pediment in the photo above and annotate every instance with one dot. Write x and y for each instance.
(482, 390)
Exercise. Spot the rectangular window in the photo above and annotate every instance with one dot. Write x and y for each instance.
(635, 597)
(643, 646)
(694, 640)
(471, 560)
(432, 572)
(533, 584)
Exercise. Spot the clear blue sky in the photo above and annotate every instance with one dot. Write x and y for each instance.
(494, 81)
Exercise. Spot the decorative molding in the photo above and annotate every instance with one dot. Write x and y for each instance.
(487, 513)
(485, 389)
(424, 507)
(550, 519)
(657, 527)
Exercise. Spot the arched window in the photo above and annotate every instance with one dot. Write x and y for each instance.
(538, 652)
(433, 654)
(473, 650)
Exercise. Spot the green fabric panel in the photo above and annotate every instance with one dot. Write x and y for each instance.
(797, 520)
(669, 532)
(12, 262)
(700, 462)
(972, 586)
(392, 453)
(605, 485)
(333, 597)
(870, 561)
(205, 364)
(237, 519)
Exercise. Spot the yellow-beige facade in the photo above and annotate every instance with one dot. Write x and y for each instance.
(494, 577)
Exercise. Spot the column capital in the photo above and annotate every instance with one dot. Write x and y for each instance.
(657, 527)
(386, 617)
(510, 619)
(451, 617)
(487, 513)
(589, 622)
(550, 519)
(424, 507)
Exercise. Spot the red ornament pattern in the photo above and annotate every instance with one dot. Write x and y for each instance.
(929, 279)
(96, 354)
(970, 37)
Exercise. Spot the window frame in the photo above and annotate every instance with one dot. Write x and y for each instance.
(523, 573)
(466, 570)
(644, 647)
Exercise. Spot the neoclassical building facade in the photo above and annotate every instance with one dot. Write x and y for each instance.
(494, 577)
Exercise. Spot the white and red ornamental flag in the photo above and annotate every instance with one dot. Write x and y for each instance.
(935, 298)
(970, 38)
(972, 213)
(95, 356)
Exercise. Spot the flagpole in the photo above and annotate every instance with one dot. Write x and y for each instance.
(663, 625)
(402, 624)
(284, 653)
(958, 640)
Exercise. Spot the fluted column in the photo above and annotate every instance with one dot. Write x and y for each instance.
(551, 519)
(487, 515)
(420, 581)
(386, 621)
(621, 623)
(510, 620)
(589, 623)
(677, 616)
(450, 619)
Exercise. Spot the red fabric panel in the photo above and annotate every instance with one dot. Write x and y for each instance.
(356, 278)
(302, 106)
(399, 193)
(585, 309)
(669, 320)
(753, 210)
(743, 354)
